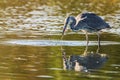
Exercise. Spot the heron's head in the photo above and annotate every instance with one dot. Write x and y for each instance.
(69, 22)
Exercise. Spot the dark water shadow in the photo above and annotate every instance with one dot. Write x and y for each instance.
(86, 62)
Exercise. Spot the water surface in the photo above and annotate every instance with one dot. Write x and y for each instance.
(31, 45)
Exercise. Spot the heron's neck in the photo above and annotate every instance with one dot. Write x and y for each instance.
(74, 23)
(74, 27)
(77, 26)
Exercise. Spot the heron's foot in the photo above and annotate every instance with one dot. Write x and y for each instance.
(85, 53)
(98, 49)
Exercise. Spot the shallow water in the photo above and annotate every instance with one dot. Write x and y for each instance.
(31, 45)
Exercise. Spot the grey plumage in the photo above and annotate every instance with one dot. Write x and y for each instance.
(87, 22)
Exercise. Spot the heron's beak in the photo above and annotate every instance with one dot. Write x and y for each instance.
(64, 29)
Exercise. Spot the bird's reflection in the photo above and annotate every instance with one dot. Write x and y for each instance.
(84, 62)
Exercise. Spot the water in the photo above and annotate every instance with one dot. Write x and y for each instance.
(31, 45)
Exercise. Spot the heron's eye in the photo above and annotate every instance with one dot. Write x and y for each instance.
(66, 20)
(71, 21)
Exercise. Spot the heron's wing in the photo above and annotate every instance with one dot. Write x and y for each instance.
(92, 21)
(80, 24)
(83, 26)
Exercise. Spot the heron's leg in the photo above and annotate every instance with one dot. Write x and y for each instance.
(85, 52)
(98, 41)
(87, 38)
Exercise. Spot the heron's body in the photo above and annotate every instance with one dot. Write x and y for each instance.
(88, 22)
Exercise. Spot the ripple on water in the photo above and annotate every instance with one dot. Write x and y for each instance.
(98, 76)
(55, 68)
(44, 76)
(56, 43)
